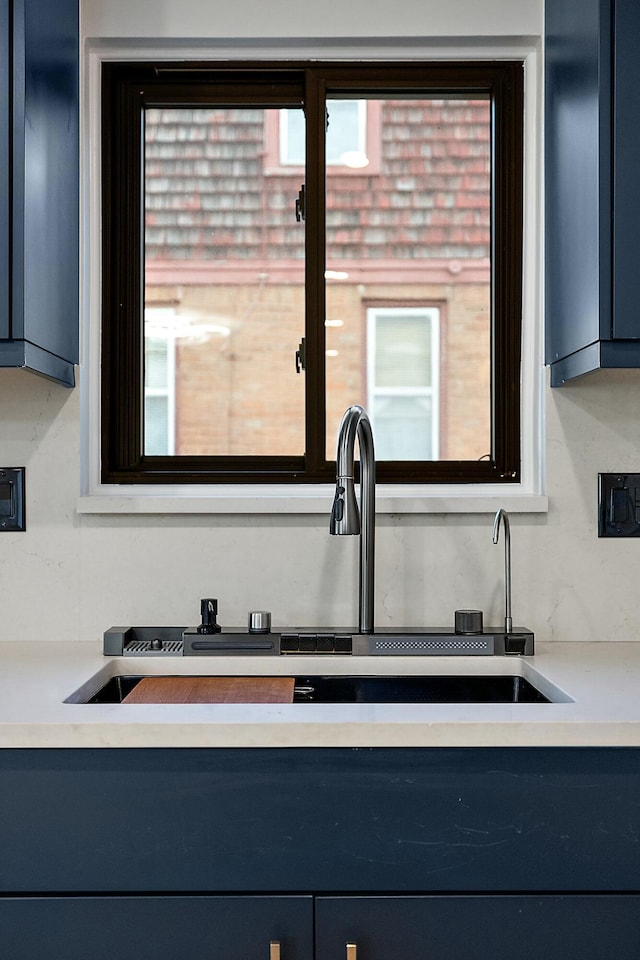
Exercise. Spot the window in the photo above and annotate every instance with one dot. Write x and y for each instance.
(353, 139)
(159, 386)
(346, 135)
(403, 398)
(401, 279)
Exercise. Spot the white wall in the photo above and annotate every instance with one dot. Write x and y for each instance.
(307, 18)
(72, 576)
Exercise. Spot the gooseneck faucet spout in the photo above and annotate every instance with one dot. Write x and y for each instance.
(345, 517)
(503, 516)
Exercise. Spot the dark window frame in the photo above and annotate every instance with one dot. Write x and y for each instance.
(127, 89)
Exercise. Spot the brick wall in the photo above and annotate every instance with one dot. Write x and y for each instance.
(240, 393)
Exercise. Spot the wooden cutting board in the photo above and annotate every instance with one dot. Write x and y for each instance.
(212, 690)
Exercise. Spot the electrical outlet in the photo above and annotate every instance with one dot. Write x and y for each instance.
(12, 499)
(619, 504)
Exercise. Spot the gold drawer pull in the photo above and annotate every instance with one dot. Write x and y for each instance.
(274, 950)
(352, 951)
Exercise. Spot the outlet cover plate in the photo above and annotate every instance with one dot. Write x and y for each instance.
(619, 504)
(12, 499)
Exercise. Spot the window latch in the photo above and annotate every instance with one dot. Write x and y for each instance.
(301, 357)
(301, 204)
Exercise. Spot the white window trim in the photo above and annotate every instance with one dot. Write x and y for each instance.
(527, 496)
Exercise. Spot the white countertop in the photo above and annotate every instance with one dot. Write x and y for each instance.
(598, 682)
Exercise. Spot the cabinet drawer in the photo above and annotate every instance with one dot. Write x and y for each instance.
(478, 928)
(156, 928)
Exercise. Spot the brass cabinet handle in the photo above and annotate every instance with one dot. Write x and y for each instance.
(352, 951)
(274, 950)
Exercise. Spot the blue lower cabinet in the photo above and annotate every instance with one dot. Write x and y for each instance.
(320, 854)
(478, 928)
(156, 928)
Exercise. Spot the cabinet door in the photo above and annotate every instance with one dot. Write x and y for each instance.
(577, 167)
(592, 205)
(478, 928)
(626, 170)
(156, 928)
(39, 187)
(5, 168)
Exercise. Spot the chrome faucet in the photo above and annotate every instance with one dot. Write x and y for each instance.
(345, 517)
(504, 516)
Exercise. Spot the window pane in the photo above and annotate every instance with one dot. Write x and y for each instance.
(416, 233)
(345, 131)
(403, 428)
(345, 134)
(156, 425)
(155, 371)
(402, 351)
(292, 137)
(224, 274)
(159, 384)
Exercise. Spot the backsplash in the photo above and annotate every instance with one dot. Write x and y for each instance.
(71, 576)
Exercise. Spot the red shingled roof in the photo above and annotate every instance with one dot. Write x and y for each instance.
(211, 195)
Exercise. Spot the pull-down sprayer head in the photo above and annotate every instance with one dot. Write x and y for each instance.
(345, 516)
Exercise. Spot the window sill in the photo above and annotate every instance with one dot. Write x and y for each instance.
(310, 500)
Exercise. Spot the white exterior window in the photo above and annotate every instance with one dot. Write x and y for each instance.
(346, 135)
(403, 347)
(159, 392)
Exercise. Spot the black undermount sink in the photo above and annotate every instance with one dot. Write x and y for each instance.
(430, 689)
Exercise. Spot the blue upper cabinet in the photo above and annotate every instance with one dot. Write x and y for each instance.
(5, 169)
(592, 203)
(39, 186)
